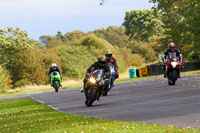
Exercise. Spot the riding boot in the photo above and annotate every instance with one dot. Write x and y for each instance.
(179, 76)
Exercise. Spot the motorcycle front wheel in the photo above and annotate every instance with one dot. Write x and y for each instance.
(172, 77)
(92, 97)
(56, 86)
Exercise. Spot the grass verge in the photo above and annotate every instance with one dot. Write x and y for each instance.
(28, 116)
(41, 88)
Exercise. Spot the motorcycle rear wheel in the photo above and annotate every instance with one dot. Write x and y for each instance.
(105, 91)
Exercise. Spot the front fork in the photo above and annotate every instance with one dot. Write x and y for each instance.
(167, 72)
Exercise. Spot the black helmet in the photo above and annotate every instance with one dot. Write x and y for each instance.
(102, 59)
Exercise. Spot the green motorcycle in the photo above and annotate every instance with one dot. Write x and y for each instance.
(55, 80)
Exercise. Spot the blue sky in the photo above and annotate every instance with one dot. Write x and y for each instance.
(46, 17)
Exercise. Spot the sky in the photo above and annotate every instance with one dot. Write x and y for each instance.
(47, 17)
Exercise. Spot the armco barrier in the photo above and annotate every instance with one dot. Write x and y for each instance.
(144, 71)
(137, 73)
(191, 66)
(157, 69)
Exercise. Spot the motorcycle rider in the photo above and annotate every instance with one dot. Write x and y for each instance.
(100, 64)
(54, 68)
(171, 51)
(112, 60)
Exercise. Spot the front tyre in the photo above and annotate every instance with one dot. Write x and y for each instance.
(92, 97)
(56, 86)
(174, 77)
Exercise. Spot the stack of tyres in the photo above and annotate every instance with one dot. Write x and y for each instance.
(137, 73)
(144, 72)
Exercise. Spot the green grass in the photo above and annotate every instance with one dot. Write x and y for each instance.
(28, 116)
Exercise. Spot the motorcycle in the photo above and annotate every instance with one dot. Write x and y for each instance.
(55, 80)
(173, 67)
(111, 80)
(94, 86)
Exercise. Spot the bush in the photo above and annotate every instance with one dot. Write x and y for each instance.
(79, 55)
(31, 67)
(192, 56)
(143, 49)
(131, 59)
(5, 81)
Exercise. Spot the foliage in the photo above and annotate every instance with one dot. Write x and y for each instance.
(74, 35)
(26, 115)
(79, 55)
(143, 24)
(144, 50)
(51, 41)
(60, 36)
(182, 19)
(5, 79)
(13, 41)
(193, 55)
(114, 35)
(32, 66)
(131, 59)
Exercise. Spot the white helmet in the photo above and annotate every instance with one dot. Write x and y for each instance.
(54, 65)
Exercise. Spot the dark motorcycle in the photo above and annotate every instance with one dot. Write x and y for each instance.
(94, 86)
(173, 67)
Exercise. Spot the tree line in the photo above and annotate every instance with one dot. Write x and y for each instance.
(143, 35)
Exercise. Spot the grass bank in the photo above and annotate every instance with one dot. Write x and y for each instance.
(28, 116)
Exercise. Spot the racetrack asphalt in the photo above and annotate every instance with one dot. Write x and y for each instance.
(148, 101)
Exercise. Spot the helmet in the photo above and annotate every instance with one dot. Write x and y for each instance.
(54, 65)
(108, 54)
(172, 46)
(102, 59)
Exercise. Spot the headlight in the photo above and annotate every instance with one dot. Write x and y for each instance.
(92, 80)
(174, 64)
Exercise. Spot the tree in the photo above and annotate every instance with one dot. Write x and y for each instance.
(59, 35)
(74, 35)
(113, 34)
(51, 41)
(5, 79)
(32, 66)
(143, 24)
(182, 19)
(13, 41)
